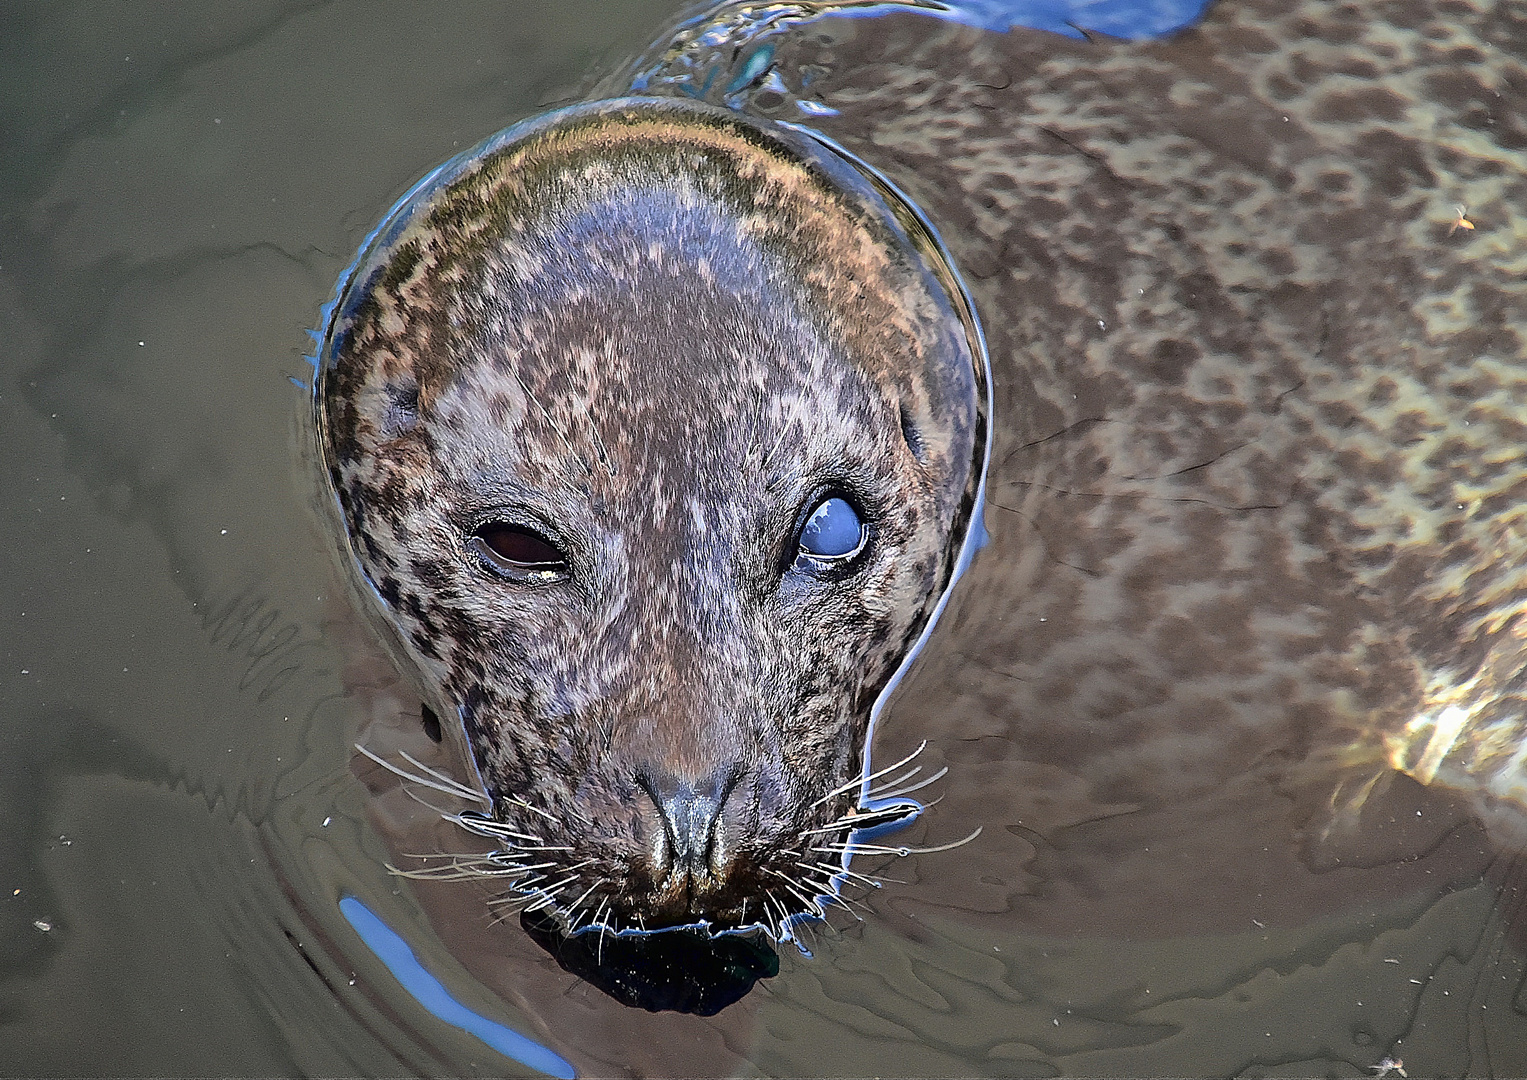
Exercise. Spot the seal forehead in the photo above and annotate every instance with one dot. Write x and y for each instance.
(672, 333)
(816, 217)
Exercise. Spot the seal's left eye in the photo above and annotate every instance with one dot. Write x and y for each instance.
(832, 534)
(517, 552)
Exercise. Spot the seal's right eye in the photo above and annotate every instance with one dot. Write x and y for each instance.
(517, 552)
(831, 538)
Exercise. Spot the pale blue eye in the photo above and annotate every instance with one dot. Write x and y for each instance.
(833, 531)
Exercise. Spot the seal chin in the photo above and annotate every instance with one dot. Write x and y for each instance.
(655, 435)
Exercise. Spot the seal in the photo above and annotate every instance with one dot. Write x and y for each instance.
(654, 431)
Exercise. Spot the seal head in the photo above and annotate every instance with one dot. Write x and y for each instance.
(655, 432)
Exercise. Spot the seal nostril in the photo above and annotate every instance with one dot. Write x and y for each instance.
(694, 825)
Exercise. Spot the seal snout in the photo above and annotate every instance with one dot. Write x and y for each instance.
(690, 851)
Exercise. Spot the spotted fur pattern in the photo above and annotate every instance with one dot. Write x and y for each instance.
(1259, 478)
(656, 334)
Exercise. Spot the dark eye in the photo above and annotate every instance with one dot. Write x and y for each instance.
(517, 552)
(831, 536)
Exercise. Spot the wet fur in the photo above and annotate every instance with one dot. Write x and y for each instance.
(1257, 488)
(654, 333)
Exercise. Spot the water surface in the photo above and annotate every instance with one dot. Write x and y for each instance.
(183, 682)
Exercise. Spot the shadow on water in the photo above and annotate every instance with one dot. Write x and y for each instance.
(1219, 602)
(680, 970)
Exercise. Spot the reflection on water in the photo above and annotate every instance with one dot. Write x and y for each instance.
(428, 991)
(1243, 368)
(724, 53)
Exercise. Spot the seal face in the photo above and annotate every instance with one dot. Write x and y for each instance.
(655, 435)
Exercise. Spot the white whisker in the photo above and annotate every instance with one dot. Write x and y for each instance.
(486, 826)
(831, 895)
(914, 787)
(862, 820)
(790, 884)
(579, 902)
(776, 916)
(834, 871)
(875, 792)
(547, 899)
(858, 780)
(528, 868)
(436, 780)
(533, 809)
(449, 782)
(900, 852)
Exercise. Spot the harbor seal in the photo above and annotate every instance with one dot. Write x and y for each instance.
(655, 431)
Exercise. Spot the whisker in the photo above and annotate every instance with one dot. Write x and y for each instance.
(534, 866)
(422, 801)
(507, 911)
(547, 899)
(462, 869)
(533, 809)
(900, 852)
(578, 902)
(486, 826)
(520, 801)
(791, 885)
(550, 423)
(541, 847)
(862, 820)
(549, 893)
(598, 916)
(770, 453)
(914, 787)
(949, 846)
(437, 780)
(834, 871)
(832, 896)
(776, 916)
(506, 900)
(463, 790)
(858, 780)
(875, 793)
(807, 931)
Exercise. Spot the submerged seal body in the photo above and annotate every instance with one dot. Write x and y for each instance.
(1256, 494)
(654, 433)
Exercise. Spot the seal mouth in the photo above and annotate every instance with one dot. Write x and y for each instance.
(697, 879)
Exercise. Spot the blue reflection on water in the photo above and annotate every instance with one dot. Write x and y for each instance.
(1116, 18)
(393, 951)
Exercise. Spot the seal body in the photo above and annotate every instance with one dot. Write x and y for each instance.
(1255, 496)
(587, 404)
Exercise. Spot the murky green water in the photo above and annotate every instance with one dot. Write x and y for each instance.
(182, 684)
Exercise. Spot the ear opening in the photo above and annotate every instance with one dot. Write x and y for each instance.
(913, 437)
(400, 413)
